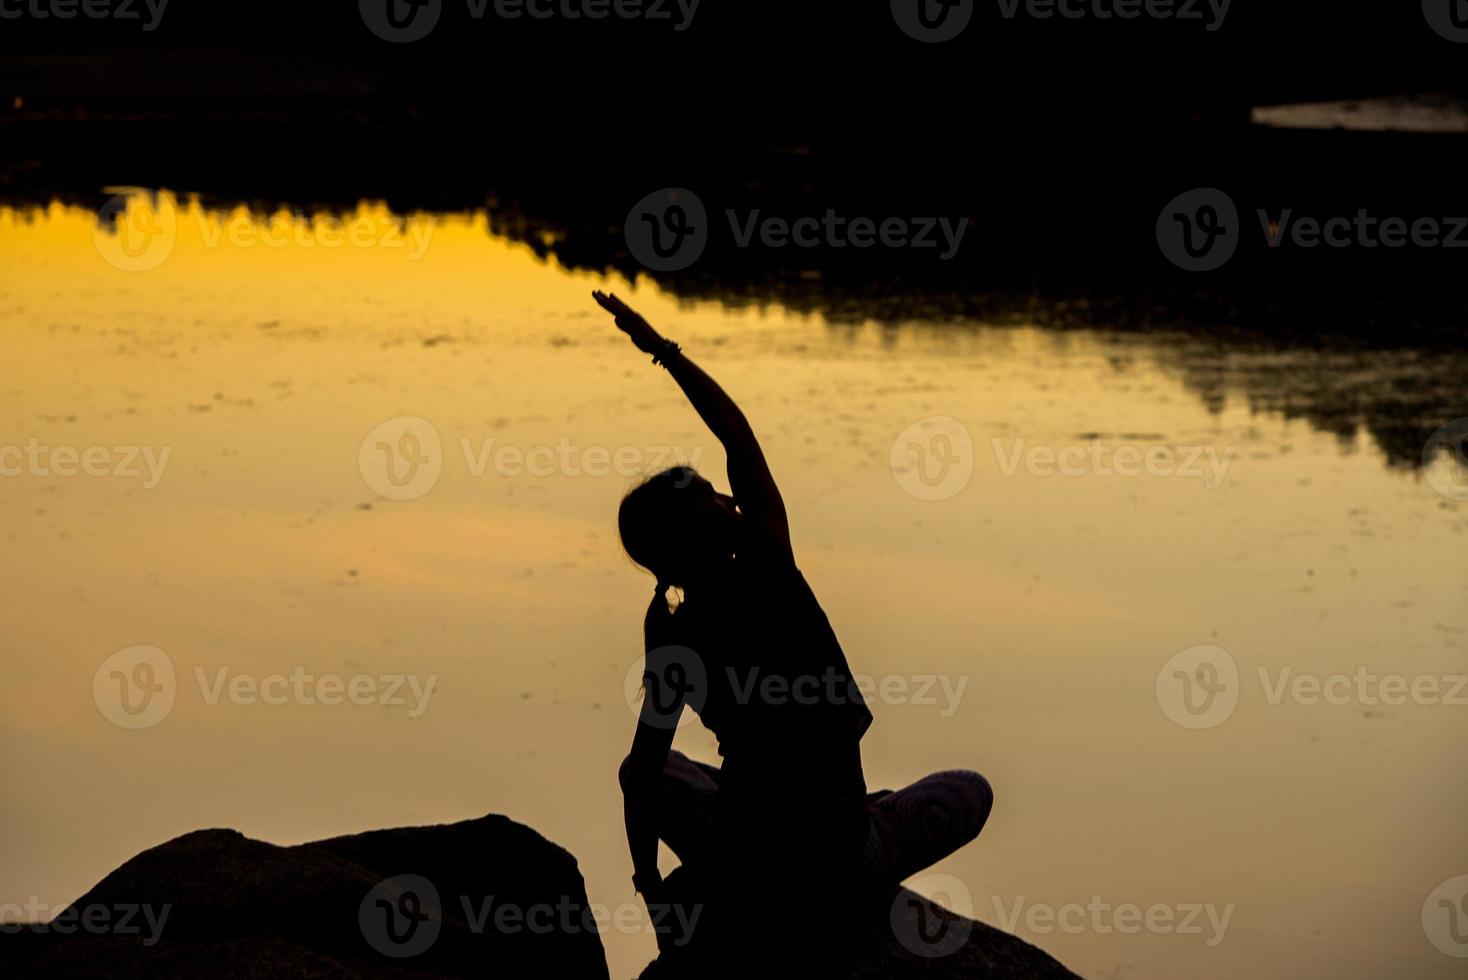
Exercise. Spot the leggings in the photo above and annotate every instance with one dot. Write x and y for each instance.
(907, 829)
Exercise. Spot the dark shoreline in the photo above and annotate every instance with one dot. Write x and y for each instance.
(1062, 195)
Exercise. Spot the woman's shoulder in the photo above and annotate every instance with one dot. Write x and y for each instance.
(759, 548)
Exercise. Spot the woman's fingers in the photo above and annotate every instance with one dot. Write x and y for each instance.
(605, 302)
(629, 321)
(611, 303)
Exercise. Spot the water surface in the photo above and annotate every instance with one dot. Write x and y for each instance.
(1055, 600)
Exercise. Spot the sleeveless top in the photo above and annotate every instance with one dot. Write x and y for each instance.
(779, 696)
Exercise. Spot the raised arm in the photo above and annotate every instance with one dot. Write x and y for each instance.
(749, 475)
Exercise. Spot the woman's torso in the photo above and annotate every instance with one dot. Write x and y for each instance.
(780, 698)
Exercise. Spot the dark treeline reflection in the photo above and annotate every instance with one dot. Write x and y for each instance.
(1058, 211)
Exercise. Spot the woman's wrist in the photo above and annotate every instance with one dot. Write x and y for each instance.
(664, 350)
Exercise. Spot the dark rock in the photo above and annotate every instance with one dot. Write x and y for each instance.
(897, 936)
(442, 901)
(217, 904)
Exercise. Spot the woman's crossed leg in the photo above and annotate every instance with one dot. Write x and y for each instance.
(910, 829)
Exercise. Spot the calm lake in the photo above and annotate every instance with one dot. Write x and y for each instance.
(307, 459)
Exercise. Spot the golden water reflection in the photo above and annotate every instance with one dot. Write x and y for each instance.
(261, 550)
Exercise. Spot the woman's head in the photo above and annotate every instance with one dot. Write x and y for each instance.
(675, 525)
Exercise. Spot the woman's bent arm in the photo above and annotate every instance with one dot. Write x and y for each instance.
(641, 776)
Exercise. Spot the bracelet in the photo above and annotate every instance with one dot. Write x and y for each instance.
(666, 349)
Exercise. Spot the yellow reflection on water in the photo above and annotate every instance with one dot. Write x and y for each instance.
(253, 356)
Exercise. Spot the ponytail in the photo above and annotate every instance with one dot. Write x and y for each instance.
(657, 625)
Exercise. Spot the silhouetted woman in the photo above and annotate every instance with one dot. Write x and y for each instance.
(750, 650)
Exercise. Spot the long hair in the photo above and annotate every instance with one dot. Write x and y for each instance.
(653, 529)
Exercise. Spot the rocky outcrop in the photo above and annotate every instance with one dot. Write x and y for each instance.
(481, 897)
(828, 936)
(485, 897)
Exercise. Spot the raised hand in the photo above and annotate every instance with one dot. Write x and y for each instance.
(749, 475)
(630, 322)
